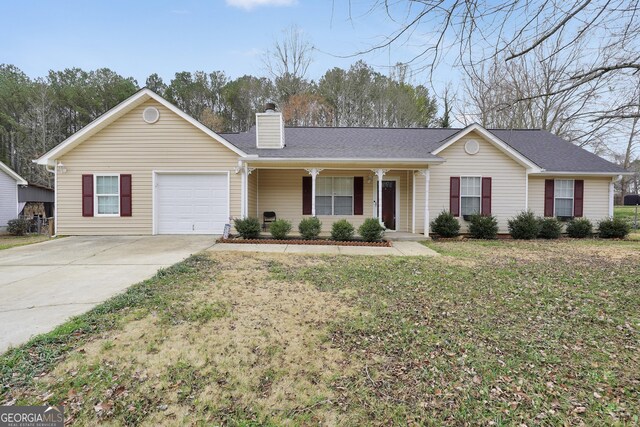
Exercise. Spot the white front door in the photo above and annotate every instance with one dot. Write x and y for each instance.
(191, 203)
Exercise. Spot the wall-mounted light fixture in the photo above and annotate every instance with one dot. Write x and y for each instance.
(61, 168)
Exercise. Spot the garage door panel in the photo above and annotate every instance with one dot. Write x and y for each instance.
(192, 203)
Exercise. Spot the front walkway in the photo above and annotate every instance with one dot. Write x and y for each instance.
(398, 249)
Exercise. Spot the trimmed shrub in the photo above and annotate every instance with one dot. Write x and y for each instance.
(579, 228)
(550, 228)
(342, 230)
(614, 228)
(371, 230)
(445, 225)
(483, 226)
(524, 226)
(280, 228)
(310, 228)
(18, 227)
(248, 228)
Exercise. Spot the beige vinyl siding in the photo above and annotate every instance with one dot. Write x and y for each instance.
(252, 205)
(507, 176)
(131, 146)
(269, 130)
(280, 190)
(596, 196)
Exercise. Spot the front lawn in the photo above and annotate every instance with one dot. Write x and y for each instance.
(8, 241)
(626, 212)
(502, 333)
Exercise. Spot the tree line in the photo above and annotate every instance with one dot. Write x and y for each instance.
(38, 113)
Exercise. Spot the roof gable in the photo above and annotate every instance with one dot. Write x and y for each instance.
(11, 173)
(118, 111)
(494, 140)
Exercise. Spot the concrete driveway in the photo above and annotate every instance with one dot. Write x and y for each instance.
(44, 284)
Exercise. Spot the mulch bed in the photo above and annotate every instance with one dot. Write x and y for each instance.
(383, 244)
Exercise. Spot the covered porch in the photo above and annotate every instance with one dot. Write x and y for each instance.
(397, 194)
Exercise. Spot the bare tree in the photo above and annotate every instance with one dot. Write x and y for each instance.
(288, 61)
(477, 32)
(524, 93)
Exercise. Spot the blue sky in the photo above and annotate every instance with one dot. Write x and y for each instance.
(137, 38)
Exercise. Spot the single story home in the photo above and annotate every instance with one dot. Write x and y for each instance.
(146, 167)
(9, 183)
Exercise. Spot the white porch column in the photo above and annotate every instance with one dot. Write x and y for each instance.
(380, 174)
(246, 172)
(314, 173)
(425, 172)
(413, 201)
(243, 188)
(611, 196)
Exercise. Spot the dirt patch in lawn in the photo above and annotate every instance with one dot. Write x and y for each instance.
(255, 349)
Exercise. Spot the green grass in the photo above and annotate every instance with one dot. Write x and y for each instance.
(507, 339)
(19, 366)
(626, 212)
(490, 333)
(8, 241)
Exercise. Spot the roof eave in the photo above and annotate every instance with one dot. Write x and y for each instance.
(580, 173)
(13, 174)
(312, 160)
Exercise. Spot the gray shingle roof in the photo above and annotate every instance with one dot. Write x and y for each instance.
(541, 147)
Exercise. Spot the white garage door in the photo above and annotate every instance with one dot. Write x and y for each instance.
(192, 204)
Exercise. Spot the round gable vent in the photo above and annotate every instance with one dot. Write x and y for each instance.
(472, 147)
(150, 115)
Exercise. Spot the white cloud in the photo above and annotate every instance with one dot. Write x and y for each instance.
(250, 4)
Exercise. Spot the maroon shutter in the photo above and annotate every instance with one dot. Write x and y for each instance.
(454, 196)
(578, 197)
(486, 196)
(125, 195)
(87, 195)
(306, 195)
(549, 189)
(358, 199)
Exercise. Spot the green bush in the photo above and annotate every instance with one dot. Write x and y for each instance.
(445, 225)
(310, 228)
(18, 227)
(483, 226)
(280, 228)
(342, 230)
(550, 228)
(614, 228)
(579, 228)
(248, 228)
(371, 230)
(524, 226)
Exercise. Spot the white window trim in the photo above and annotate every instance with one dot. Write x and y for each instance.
(555, 187)
(480, 197)
(333, 196)
(95, 194)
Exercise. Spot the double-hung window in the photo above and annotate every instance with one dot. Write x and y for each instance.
(563, 197)
(334, 196)
(470, 195)
(107, 195)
